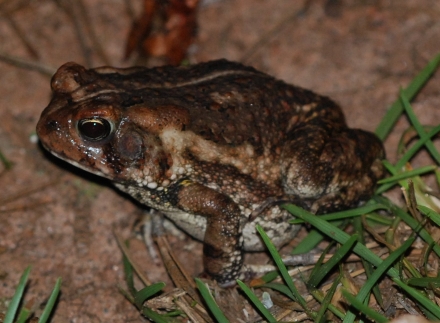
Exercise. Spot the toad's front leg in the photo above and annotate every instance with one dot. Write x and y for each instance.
(223, 241)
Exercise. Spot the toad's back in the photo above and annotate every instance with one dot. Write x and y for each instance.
(228, 103)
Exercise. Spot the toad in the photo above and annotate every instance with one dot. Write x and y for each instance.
(213, 147)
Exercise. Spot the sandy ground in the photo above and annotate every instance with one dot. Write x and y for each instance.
(357, 52)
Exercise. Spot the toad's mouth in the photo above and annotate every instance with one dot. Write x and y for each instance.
(86, 168)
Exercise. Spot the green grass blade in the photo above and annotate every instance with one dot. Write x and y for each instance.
(212, 305)
(338, 235)
(257, 303)
(389, 182)
(308, 243)
(424, 137)
(413, 224)
(378, 219)
(363, 251)
(318, 267)
(422, 198)
(283, 289)
(424, 282)
(23, 316)
(396, 108)
(408, 174)
(312, 239)
(380, 271)
(283, 270)
(364, 308)
(325, 304)
(419, 297)
(51, 302)
(16, 299)
(128, 275)
(437, 176)
(434, 216)
(370, 207)
(418, 126)
(318, 295)
(141, 296)
(153, 316)
(270, 276)
(6, 163)
(359, 228)
(319, 275)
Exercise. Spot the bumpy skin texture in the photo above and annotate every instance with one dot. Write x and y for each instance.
(213, 147)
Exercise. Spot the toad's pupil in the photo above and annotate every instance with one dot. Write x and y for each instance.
(94, 129)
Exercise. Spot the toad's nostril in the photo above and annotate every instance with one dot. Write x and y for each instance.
(53, 125)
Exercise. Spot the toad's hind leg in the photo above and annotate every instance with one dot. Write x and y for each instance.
(332, 170)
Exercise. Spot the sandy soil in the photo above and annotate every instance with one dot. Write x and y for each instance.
(357, 52)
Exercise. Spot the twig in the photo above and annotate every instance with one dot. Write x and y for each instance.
(26, 192)
(127, 254)
(27, 65)
(267, 37)
(21, 35)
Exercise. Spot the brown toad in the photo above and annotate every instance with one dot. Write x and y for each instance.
(212, 146)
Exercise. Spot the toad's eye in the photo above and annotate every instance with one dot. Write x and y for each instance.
(94, 129)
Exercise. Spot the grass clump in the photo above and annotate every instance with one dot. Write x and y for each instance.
(18, 313)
